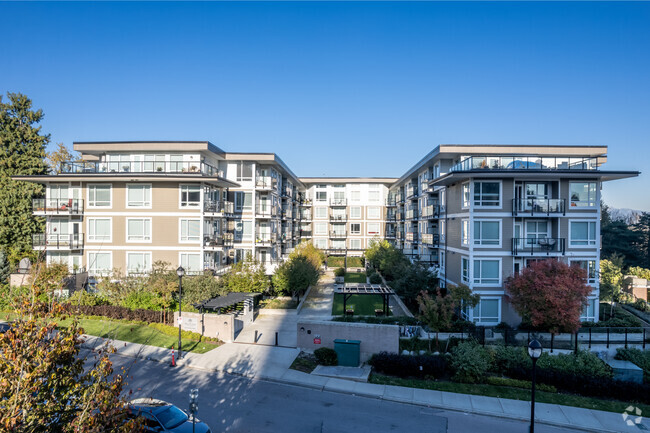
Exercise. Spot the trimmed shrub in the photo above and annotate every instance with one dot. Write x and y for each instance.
(514, 383)
(391, 320)
(173, 331)
(116, 312)
(469, 362)
(581, 364)
(326, 356)
(81, 297)
(375, 279)
(641, 305)
(506, 358)
(339, 272)
(393, 364)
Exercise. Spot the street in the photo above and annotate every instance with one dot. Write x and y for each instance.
(231, 403)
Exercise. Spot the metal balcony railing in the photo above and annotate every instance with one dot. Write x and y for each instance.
(265, 238)
(338, 234)
(525, 163)
(213, 240)
(431, 211)
(391, 216)
(62, 206)
(264, 182)
(305, 202)
(265, 210)
(58, 241)
(392, 201)
(226, 207)
(411, 192)
(149, 167)
(305, 233)
(539, 206)
(411, 237)
(390, 235)
(338, 202)
(431, 239)
(524, 246)
(334, 217)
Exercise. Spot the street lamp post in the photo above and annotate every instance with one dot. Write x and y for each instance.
(180, 272)
(534, 351)
(194, 405)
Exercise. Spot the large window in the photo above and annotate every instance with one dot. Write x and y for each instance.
(355, 212)
(373, 213)
(589, 312)
(190, 230)
(243, 201)
(321, 195)
(466, 195)
(243, 230)
(244, 171)
(190, 195)
(582, 233)
(487, 272)
(487, 194)
(373, 229)
(137, 263)
(464, 269)
(355, 244)
(355, 196)
(138, 195)
(99, 230)
(589, 266)
(464, 232)
(320, 243)
(99, 263)
(583, 194)
(487, 311)
(487, 233)
(320, 229)
(191, 262)
(320, 212)
(138, 229)
(355, 229)
(373, 196)
(99, 195)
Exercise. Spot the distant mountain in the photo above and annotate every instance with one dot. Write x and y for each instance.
(628, 216)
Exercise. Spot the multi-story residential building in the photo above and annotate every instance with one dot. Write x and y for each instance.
(475, 213)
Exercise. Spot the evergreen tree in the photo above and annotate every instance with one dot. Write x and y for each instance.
(22, 152)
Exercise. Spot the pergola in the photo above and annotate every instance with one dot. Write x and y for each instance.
(220, 302)
(348, 290)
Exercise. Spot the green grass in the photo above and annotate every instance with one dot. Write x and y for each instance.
(511, 393)
(338, 262)
(355, 277)
(279, 304)
(305, 362)
(363, 305)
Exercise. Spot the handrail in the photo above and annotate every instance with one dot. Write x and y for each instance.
(153, 167)
(525, 163)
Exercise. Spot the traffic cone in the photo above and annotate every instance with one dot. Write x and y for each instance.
(173, 361)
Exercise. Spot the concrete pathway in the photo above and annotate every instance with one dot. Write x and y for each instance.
(267, 325)
(318, 305)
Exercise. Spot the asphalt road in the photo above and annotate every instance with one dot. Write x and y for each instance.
(236, 404)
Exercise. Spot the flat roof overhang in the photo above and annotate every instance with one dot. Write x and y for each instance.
(112, 177)
(605, 176)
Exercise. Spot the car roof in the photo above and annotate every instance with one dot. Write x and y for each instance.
(151, 405)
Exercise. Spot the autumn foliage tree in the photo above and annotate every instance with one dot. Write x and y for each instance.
(438, 311)
(550, 295)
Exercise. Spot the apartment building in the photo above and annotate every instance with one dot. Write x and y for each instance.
(474, 213)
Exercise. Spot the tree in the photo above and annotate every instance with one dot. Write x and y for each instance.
(611, 279)
(22, 152)
(438, 312)
(300, 271)
(639, 272)
(45, 385)
(550, 294)
(247, 276)
(642, 230)
(4, 268)
(58, 156)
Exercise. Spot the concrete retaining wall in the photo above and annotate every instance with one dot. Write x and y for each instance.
(374, 338)
(221, 326)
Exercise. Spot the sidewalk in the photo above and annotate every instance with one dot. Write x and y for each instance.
(272, 364)
(318, 305)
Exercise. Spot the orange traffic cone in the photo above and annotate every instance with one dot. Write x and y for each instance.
(173, 361)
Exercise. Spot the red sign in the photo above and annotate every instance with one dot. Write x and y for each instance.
(316, 340)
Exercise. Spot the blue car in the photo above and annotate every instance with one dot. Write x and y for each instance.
(161, 416)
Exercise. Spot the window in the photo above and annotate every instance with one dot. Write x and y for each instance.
(99, 230)
(436, 171)
(355, 229)
(191, 262)
(589, 312)
(99, 263)
(190, 230)
(338, 244)
(466, 195)
(589, 266)
(464, 230)
(465, 269)
(320, 243)
(373, 196)
(137, 263)
(355, 212)
(138, 195)
(320, 228)
(321, 195)
(536, 190)
(99, 195)
(243, 201)
(373, 213)
(355, 196)
(583, 194)
(442, 265)
(487, 194)
(487, 233)
(486, 271)
(244, 171)
(582, 233)
(373, 228)
(536, 230)
(487, 311)
(339, 196)
(321, 212)
(138, 229)
(190, 195)
(355, 244)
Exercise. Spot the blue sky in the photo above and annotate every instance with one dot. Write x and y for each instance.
(341, 89)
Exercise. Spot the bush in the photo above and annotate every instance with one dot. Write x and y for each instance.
(375, 279)
(370, 272)
(81, 297)
(409, 366)
(514, 383)
(581, 364)
(391, 320)
(339, 272)
(116, 312)
(641, 305)
(639, 357)
(326, 356)
(506, 358)
(469, 362)
(173, 331)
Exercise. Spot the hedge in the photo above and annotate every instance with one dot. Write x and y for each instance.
(326, 356)
(409, 366)
(116, 312)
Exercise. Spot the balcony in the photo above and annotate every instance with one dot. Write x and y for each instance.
(265, 211)
(338, 234)
(411, 237)
(220, 207)
(538, 246)
(539, 207)
(411, 214)
(525, 163)
(287, 214)
(338, 202)
(431, 211)
(287, 191)
(392, 202)
(432, 240)
(264, 183)
(139, 167)
(411, 192)
(305, 233)
(217, 241)
(65, 206)
(391, 216)
(305, 215)
(265, 239)
(341, 218)
(399, 235)
(390, 235)
(55, 241)
(305, 203)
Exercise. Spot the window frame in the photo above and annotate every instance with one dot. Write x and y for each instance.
(373, 233)
(590, 243)
(465, 270)
(480, 282)
(180, 231)
(89, 203)
(478, 320)
(180, 196)
(137, 184)
(376, 209)
(193, 253)
(140, 241)
(145, 253)
(465, 235)
(590, 280)
(91, 271)
(479, 204)
(352, 213)
(352, 231)
(93, 239)
(355, 240)
(466, 202)
(590, 205)
(478, 243)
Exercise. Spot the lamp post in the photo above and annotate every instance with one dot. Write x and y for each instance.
(180, 272)
(534, 351)
(194, 405)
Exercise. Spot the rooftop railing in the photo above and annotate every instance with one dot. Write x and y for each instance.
(150, 167)
(525, 163)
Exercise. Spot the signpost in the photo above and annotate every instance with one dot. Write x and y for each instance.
(194, 405)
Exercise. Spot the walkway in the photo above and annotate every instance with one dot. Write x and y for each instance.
(318, 305)
(267, 325)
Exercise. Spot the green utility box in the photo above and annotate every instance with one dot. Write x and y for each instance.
(348, 352)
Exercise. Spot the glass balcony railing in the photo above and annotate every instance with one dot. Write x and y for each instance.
(218, 206)
(152, 167)
(532, 245)
(338, 202)
(265, 211)
(338, 234)
(539, 206)
(431, 239)
(58, 241)
(525, 163)
(59, 206)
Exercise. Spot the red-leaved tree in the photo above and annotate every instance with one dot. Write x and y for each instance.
(551, 294)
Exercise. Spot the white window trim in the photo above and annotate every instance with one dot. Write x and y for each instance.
(499, 283)
(373, 233)
(472, 192)
(139, 241)
(358, 240)
(110, 236)
(594, 281)
(320, 224)
(480, 245)
(596, 306)
(139, 252)
(462, 197)
(180, 231)
(378, 209)
(588, 246)
(180, 196)
(360, 213)
(469, 269)
(126, 198)
(316, 216)
(465, 238)
(110, 191)
(500, 306)
(355, 233)
(88, 261)
(596, 200)
(201, 262)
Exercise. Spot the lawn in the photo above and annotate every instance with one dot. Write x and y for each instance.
(338, 262)
(355, 277)
(279, 304)
(363, 305)
(508, 392)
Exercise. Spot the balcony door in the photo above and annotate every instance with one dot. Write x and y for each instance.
(536, 230)
(264, 231)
